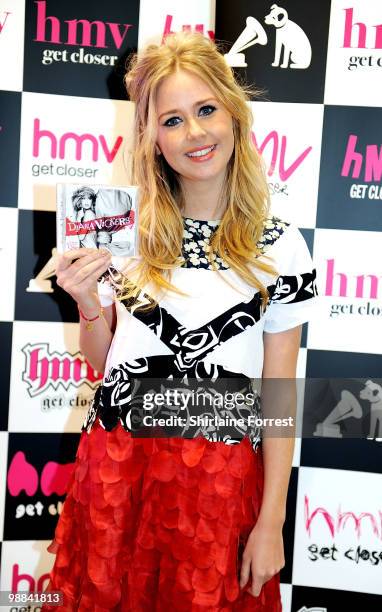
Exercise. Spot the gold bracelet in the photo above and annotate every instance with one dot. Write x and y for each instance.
(89, 322)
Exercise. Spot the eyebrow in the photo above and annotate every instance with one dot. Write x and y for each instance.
(175, 110)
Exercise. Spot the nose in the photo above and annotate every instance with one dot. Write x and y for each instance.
(195, 129)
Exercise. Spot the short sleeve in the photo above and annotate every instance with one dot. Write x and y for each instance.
(294, 295)
(105, 292)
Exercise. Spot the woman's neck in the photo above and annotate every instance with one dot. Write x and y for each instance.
(203, 200)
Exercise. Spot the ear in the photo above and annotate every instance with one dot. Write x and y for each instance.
(157, 150)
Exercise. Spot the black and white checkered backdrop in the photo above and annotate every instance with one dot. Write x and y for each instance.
(64, 117)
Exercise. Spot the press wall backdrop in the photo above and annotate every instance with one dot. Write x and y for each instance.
(64, 117)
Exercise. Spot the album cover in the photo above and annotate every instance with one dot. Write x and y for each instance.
(97, 216)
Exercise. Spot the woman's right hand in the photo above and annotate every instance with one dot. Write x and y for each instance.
(77, 273)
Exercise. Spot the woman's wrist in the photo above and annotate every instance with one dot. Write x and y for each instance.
(271, 520)
(90, 306)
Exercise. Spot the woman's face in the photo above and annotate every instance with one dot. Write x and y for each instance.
(195, 131)
(86, 202)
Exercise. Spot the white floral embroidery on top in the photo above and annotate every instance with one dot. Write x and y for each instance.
(197, 236)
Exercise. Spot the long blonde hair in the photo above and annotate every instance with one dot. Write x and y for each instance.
(161, 198)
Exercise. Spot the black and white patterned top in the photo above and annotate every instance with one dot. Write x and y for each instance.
(209, 341)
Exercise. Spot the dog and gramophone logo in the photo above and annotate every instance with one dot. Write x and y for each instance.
(339, 409)
(273, 42)
(293, 48)
(79, 48)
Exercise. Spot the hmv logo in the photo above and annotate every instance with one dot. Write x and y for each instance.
(346, 285)
(335, 522)
(58, 145)
(360, 35)
(357, 162)
(185, 28)
(22, 582)
(277, 145)
(23, 477)
(79, 32)
(44, 369)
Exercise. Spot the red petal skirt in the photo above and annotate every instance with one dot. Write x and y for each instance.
(158, 525)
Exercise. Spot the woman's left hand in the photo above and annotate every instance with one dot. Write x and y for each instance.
(263, 556)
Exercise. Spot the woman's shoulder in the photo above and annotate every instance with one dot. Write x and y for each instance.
(273, 229)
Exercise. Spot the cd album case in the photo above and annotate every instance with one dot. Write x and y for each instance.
(97, 216)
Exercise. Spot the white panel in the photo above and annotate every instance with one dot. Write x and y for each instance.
(354, 64)
(50, 390)
(8, 250)
(349, 279)
(11, 44)
(73, 140)
(338, 513)
(289, 136)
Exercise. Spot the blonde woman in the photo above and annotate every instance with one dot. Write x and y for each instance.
(189, 520)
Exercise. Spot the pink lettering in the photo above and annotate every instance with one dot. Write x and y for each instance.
(17, 578)
(373, 161)
(110, 154)
(38, 134)
(185, 28)
(309, 517)
(74, 37)
(2, 23)
(352, 155)
(330, 280)
(55, 477)
(33, 364)
(362, 32)
(22, 476)
(78, 140)
(349, 25)
(358, 288)
(374, 282)
(116, 33)
(44, 369)
(373, 170)
(344, 516)
(284, 172)
(334, 525)
(42, 20)
(86, 33)
(42, 582)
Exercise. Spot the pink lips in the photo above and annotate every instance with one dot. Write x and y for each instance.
(199, 149)
(201, 158)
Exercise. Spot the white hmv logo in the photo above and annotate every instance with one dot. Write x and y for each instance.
(292, 44)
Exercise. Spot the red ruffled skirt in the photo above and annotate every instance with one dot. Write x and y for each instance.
(158, 524)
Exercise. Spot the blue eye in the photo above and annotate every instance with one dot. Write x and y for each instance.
(172, 121)
(204, 111)
(208, 109)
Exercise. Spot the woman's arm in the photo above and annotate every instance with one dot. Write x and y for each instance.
(77, 273)
(280, 361)
(95, 343)
(263, 555)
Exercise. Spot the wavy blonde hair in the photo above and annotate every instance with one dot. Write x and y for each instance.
(161, 197)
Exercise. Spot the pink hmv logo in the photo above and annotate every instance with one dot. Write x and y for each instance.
(44, 369)
(58, 144)
(78, 31)
(23, 476)
(369, 161)
(359, 35)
